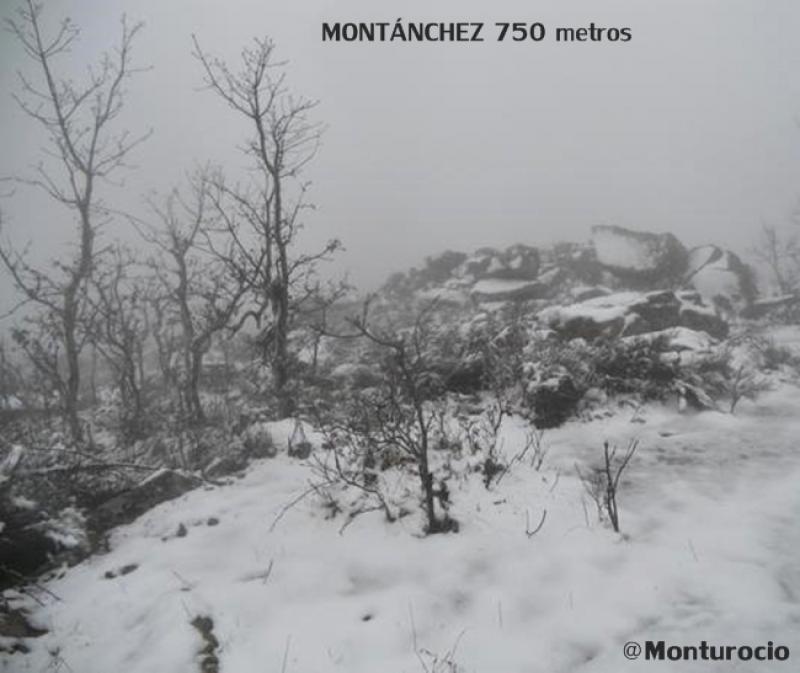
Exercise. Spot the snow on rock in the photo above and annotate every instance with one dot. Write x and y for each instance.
(702, 256)
(697, 316)
(584, 292)
(721, 278)
(501, 290)
(641, 260)
(680, 339)
(585, 321)
(517, 262)
(631, 313)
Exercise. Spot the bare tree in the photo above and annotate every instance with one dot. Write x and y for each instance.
(84, 149)
(743, 382)
(282, 140)
(118, 331)
(780, 253)
(202, 284)
(10, 378)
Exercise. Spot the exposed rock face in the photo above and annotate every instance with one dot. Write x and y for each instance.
(640, 260)
(722, 278)
(703, 319)
(159, 487)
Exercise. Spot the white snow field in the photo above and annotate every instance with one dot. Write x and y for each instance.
(709, 550)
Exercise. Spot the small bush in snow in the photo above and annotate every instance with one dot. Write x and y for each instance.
(602, 484)
(744, 383)
(397, 422)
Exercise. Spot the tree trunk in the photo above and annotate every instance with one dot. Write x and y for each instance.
(72, 387)
(195, 408)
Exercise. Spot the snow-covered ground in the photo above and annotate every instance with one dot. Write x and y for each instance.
(710, 550)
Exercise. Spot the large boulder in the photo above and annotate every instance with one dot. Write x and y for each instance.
(652, 312)
(721, 278)
(601, 317)
(695, 315)
(639, 260)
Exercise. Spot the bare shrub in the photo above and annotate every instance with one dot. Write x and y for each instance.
(744, 383)
(399, 422)
(602, 484)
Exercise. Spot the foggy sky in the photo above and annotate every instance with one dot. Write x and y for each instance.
(690, 127)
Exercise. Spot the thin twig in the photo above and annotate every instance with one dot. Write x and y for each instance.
(530, 533)
(289, 506)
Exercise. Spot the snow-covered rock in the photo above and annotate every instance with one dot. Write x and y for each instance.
(640, 260)
(497, 289)
(721, 277)
(518, 262)
(631, 313)
(680, 339)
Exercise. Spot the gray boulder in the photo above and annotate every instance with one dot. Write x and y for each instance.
(722, 279)
(640, 260)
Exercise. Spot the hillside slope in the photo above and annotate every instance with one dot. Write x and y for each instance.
(708, 552)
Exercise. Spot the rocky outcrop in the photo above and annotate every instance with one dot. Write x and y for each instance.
(631, 313)
(639, 260)
(615, 260)
(518, 262)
